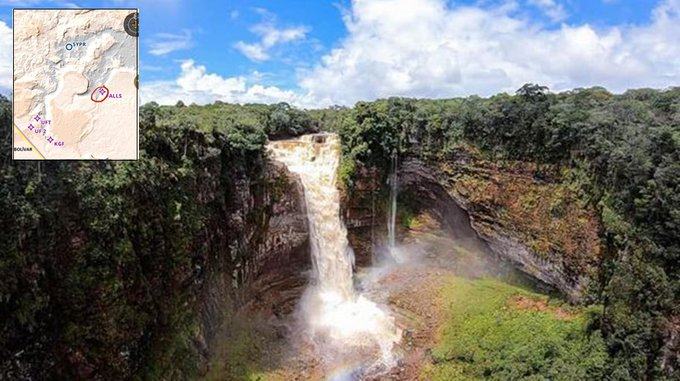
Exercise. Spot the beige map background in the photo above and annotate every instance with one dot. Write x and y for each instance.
(55, 83)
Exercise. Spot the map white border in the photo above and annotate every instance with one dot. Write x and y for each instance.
(13, 126)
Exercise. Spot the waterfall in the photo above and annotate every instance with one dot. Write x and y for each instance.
(335, 313)
(393, 181)
(315, 159)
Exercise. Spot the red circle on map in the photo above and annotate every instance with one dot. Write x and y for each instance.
(95, 92)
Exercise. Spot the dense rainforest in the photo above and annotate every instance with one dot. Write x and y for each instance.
(102, 263)
(621, 153)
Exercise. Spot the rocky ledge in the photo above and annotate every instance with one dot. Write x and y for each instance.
(464, 197)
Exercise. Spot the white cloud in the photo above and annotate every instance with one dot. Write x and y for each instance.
(254, 52)
(428, 48)
(554, 10)
(162, 44)
(270, 36)
(196, 85)
(424, 48)
(5, 57)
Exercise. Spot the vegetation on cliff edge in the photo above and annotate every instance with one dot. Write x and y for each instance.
(620, 154)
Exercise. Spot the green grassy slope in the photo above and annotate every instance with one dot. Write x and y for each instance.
(494, 331)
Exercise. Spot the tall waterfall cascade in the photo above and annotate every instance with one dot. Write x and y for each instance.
(335, 314)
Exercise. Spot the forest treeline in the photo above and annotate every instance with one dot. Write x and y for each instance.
(621, 152)
(81, 280)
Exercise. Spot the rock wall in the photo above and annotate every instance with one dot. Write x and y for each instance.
(474, 223)
(364, 214)
(466, 220)
(270, 248)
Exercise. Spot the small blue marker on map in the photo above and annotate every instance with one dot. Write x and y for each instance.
(69, 46)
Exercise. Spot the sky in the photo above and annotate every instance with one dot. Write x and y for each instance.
(317, 53)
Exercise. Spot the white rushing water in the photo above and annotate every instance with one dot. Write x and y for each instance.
(337, 316)
(393, 181)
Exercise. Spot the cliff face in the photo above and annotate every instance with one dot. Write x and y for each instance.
(270, 248)
(540, 224)
(537, 226)
(363, 210)
(120, 270)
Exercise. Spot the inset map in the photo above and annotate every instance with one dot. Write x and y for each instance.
(75, 95)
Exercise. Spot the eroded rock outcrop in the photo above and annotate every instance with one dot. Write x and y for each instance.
(364, 214)
(465, 197)
(537, 226)
(670, 353)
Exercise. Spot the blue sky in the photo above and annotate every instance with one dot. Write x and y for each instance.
(317, 53)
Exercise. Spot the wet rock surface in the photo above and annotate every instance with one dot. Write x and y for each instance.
(273, 274)
(470, 220)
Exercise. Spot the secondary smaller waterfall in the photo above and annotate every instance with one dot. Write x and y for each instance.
(336, 315)
(393, 181)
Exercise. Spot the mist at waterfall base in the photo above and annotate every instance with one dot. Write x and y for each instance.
(351, 333)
